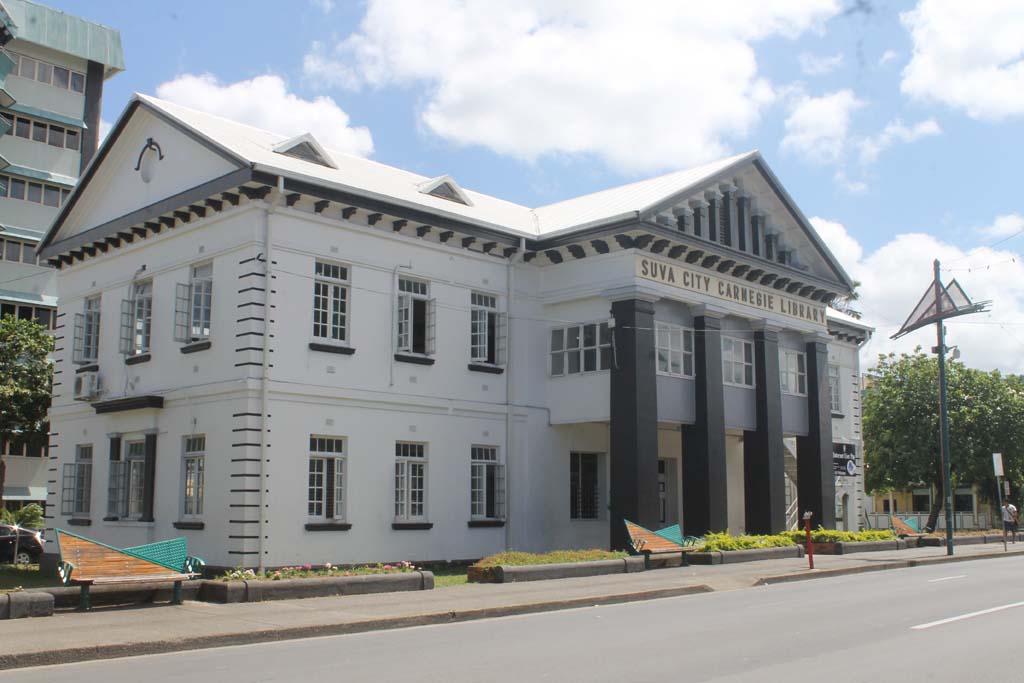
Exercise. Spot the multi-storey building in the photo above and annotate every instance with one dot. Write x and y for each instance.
(293, 355)
(52, 69)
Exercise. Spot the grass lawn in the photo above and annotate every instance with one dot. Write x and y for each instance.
(25, 576)
(445, 577)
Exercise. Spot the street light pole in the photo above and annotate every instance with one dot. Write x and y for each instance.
(943, 410)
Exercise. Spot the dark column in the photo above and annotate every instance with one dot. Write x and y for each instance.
(816, 487)
(91, 114)
(115, 448)
(756, 234)
(704, 482)
(115, 456)
(742, 220)
(149, 483)
(699, 216)
(728, 219)
(764, 474)
(714, 207)
(634, 421)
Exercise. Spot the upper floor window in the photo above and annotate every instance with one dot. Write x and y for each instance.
(44, 316)
(410, 481)
(835, 394)
(12, 187)
(330, 302)
(417, 314)
(793, 372)
(581, 348)
(193, 308)
(17, 251)
(137, 319)
(487, 484)
(40, 131)
(50, 74)
(487, 329)
(87, 332)
(675, 350)
(325, 497)
(737, 361)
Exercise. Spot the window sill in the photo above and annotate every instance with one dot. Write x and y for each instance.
(117, 521)
(331, 348)
(196, 346)
(91, 367)
(492, 369)
(328, 526)
(745, 386)
(140, 358)
(794, 395)
(411, 526)
(189, 525)
(485, 523)
(417, 360)
(839, 415)
(79, 521)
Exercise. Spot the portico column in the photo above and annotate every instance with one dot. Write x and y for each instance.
(704, 482)
(816, 488)
(634, 420)
(764, 474)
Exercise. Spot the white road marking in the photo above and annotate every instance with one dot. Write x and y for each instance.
(970, 615)
(947, 578)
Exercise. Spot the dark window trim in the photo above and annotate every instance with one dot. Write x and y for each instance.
(189, 525)
(140, 358)
(92, 367)
(79, 521)
(332, 348)
(412, 526)
(839, 415)
(416, 360)
(196, 346)
(492, 369)
(328, 526)
(117, 405)
(485, 523)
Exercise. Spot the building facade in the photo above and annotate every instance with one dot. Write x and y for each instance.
(52, 69)
(292, 355)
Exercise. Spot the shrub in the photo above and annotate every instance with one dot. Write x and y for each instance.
(27, 517)
(723, 541)
(307, 571)
(516, 558)
(821, 535)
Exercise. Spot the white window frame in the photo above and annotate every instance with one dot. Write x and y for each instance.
(410, 469)
(735, 369)
(137, 320)
(793, 372)
(674, 350)
(17, 71)
(332, 302)
(488, 329)
(328, 468)
(576, 491)
(835, 389)
(87, 332)
(410, 291)
(76, 494)
(193, 475)
(201, 289)
(486, 474)
(135, 456)
(572, 342)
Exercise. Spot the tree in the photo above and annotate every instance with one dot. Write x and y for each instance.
(26, 377)
(27, 517)
(901, 426)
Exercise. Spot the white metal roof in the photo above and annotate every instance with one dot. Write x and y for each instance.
(373, 179)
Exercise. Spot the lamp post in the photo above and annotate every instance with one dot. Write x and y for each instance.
(810, 543)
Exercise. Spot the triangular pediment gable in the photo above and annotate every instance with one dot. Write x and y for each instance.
(306, 148)
(146, 158)
(445, 187)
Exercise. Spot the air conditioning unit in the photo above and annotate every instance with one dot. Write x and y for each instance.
(87, 386)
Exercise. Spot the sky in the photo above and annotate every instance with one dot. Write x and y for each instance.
(897, 127)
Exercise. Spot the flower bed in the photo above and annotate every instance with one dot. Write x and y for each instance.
(519, 566)
(306, 581)
(307, 571)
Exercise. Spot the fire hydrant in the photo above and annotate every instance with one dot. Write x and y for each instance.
(810, 544)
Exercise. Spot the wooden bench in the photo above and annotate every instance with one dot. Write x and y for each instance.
(86, 563)
(904, 530)
(669, 540)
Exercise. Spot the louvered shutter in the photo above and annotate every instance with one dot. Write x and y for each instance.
(431, 327)
(501, 339)
(182, 310)
(78, 352)
(125, 341)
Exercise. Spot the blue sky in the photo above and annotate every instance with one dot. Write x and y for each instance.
(897, 126)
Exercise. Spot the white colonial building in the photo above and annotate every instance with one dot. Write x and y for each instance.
(293, 355)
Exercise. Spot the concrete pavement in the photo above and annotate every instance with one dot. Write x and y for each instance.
(119, 632)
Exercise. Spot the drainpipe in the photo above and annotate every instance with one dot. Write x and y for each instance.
(510, 288)
(268, 270)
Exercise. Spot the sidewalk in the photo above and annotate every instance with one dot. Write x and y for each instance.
(120, 632)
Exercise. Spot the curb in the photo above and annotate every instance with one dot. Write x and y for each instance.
(115, 651)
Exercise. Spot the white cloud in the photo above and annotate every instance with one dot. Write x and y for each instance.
(894, 276)
(887, 56)
(895, 131)
(1004, 226)
(817, 127)
(105, 127)
(265, 102)
(814, 65)
(666, 84)
(967, 55)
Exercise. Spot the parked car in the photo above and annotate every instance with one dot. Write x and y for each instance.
(30, 545)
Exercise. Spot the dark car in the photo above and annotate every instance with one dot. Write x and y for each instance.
(30, 545)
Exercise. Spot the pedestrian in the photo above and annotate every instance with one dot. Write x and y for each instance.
(1009, 520)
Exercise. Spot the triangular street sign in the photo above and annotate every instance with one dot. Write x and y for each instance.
(954, 302)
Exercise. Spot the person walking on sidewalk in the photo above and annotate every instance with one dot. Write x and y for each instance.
(1009, 520)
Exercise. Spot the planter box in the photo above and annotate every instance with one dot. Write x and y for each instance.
(752, 555)
(122, 594)
(543, 572)
(291, 589)
(21, 604)
(847, 547)
(938, 542)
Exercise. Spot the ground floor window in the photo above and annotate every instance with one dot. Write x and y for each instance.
(487, 477)
(584, 492)
(76, 492)
(128, 483)
(195, 474)
(921, 500)
(410, 481)
(326, 486)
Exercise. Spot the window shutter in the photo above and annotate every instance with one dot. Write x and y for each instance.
(78, 352)
(125, 342)
(403, 321)
(67, 499)
(502, 339)
(499, 492)
(182, 309)
(431, 327)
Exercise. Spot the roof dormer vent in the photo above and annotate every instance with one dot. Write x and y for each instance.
(445, 187)
(306, 148)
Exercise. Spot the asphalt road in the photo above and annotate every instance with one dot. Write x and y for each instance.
(954, 622)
